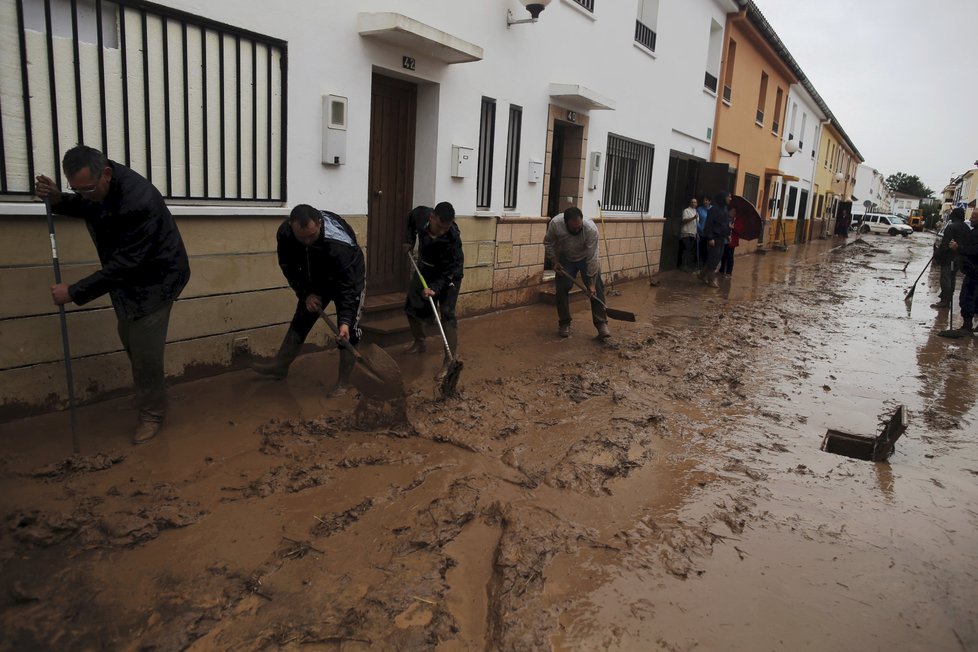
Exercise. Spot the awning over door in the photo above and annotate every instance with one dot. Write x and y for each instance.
(417, 38)
(580, 98)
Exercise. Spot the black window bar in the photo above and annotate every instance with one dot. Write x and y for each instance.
(487, 132)
(513, 155)
(163, 76)
(645, 35)
(587, 4)
(628, 175)
(726, 94)
(710, 82)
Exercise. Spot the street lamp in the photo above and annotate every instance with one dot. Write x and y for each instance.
(791, 148)
(534, 7)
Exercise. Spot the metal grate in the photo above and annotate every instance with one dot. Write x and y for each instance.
(513, 155)
(726, 94)
(487, 131)
(587, 4)
(197, 107)
(628, 175)
(645, 35)
(759, 118)
(710, 82)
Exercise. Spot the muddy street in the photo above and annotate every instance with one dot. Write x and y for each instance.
(661, 490)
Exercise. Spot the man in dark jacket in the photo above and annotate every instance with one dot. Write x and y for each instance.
(144, 265)
(967, 248)
(442, 264)
(947, 259)
(716, 232)
(321, 260)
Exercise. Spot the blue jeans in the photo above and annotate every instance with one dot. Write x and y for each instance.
(563, 286)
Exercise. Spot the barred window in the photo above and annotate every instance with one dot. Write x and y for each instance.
(487, 134)
(587, 4)
(513, 154)
(196, 106)
(628, 175)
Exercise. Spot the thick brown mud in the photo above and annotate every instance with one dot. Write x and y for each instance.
(662, 490)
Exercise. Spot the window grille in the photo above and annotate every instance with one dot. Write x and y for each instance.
(513, 155)
(487, 132)
(196, 106)
(644, 35)
(628, 175)
(587, 4)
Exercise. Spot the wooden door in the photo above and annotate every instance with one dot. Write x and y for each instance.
(393, 106)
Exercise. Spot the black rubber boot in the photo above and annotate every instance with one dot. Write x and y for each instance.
(417, 332)
(278, 367)
(347, 362)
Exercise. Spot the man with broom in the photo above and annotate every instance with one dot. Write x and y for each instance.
(441, 263)
(571, 246)
(968, 255)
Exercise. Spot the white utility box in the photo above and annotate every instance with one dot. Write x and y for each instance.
(334, 129)
(534, 171)
(463, 161)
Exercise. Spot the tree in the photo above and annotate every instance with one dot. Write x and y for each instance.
(908, 184)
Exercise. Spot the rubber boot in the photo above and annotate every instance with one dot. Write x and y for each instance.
(417, 332)
(968, 324)
(278, 367)
(347, 362)
(451, 334)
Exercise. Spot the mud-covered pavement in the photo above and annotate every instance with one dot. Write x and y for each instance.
(664, 490)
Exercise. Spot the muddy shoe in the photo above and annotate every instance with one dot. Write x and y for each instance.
(603, 332)
(146, 430)
(564, 330)
(417, 347)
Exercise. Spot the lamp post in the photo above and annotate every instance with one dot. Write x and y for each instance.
(534, 7)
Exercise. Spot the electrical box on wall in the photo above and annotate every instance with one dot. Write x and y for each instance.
(463, 161)
(594, 170)
(334, 129)
(534, 171)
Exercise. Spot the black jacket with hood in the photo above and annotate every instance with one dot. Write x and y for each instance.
(330, 269)
(718, 219)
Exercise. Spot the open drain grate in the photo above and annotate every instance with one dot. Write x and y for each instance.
(867, 447)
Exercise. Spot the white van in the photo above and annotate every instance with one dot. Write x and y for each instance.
(884, 223)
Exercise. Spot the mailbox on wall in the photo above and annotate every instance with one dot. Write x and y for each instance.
(463, 161)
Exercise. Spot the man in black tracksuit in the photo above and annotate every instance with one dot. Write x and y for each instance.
(144, 265)
(320, 257)
(442, 262)
(948, 260)
(716, 233)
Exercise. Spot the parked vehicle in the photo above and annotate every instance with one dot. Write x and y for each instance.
(916, 220)
(884, 223)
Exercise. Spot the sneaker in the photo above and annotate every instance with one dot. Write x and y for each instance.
(603, 332)
(146, 430)
(564, 330)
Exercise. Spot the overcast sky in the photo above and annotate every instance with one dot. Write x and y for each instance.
(901, 77)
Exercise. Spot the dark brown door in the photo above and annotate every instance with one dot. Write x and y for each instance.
(393, 104)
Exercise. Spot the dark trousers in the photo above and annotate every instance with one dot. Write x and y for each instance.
(563, 286)
(417, 306)
(144, 340)
(968, 299)
(303, 320)
(701, 251)
(727, 260)
(688, 243)
(948, 282)
(714, 254)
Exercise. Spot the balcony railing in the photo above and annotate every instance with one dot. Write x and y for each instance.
(710, 82)
(644, 35)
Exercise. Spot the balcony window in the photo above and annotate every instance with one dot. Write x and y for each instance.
(587, 4)
(646, 22)
(710, 82)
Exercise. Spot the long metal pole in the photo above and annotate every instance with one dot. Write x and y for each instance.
(76, 446)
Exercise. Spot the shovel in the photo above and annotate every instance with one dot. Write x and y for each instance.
(381, 378)
(450, 381)
(620, 315)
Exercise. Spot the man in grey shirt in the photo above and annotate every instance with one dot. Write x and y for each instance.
(571, 246)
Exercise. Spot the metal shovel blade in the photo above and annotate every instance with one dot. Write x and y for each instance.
(376, 374)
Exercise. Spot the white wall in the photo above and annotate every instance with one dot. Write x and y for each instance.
(801, 121)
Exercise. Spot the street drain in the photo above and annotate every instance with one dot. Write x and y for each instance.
(866, 447)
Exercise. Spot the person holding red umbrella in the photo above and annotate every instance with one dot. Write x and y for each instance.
(727, 260)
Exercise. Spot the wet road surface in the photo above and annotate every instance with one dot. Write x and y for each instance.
(664, 490)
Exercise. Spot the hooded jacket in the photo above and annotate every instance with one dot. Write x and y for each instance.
(144, 261)
(329, 268)
(441, 259)
(718, 219)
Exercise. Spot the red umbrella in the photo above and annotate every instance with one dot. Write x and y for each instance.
(748, 221)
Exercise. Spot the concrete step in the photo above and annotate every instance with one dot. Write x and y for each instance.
(386, 332)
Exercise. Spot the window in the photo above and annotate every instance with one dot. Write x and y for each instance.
(487, 134)
(713, 56)
(728, 73)
(627, 175)
(792, 197)
(821, 204)
(752, 185)
(801, 136)
(761, 100)
(197, 107)
(803, 205)
(513, 155)
(587, 4)
(776, 123)
(645, 23)
(794, 121)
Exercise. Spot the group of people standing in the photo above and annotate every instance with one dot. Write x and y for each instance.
(958, 253)
(709, 238)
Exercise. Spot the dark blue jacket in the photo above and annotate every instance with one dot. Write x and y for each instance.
(718, 219)
(441, 259)
(144, 261)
